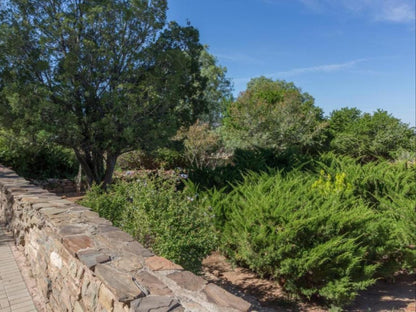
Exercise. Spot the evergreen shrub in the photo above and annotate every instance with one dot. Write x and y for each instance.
(327, 234)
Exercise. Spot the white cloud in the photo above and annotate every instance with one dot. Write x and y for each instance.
(327, 68)
(398, 11)
(241, 82)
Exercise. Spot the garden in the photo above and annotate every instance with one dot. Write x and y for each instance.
(110, 91)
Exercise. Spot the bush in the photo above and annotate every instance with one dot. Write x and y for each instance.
(369, 136)
(36, 157)
(175, 224)
(166, 158)
(321, 235)
(201, 145)
(274, 115)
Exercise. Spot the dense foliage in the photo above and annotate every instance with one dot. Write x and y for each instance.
(175, 224)
(369, 137)
(322, 235)
(274, 115)
(35, 157)
(217, 92)
(103, 77)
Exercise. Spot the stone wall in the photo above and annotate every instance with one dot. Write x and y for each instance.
(59, 186)
(83, 263)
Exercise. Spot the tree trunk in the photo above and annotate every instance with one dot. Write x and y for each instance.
(78, 181)
(110, 164)
(92, 164)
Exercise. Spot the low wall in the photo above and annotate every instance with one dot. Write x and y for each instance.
(59, 186)
(82, 263)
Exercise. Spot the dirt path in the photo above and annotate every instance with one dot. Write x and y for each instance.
(266, 296)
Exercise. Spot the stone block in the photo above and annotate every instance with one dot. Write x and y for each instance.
(188, 280)
(73, 229)
(89, 293)
(136, 248)
(129, 263)
(118, 236)
(50, 211)
(78, 307)
(92, 257)
(156, 304)
(119, 283)
(152, 284)
(120, 307)
(77, 242)
(156, 263)
(106, 298)
(222, 298)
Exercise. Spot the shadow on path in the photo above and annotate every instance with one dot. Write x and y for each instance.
(386, 296)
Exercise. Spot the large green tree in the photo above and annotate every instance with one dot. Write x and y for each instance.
(367, 136)
(103, 77)
(274, 115)
(218, 90)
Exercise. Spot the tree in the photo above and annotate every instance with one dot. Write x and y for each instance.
(369, 136)
(218, 91)
(201, 144)
(104, 77)
(274, 115)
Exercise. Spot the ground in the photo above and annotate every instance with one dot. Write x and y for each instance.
(267, 296)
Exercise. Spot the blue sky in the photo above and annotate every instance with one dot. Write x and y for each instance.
(355, 53)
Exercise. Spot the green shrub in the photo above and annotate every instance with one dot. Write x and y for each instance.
(321, 235)
(109, 204)
(36, 157)
(390, 190)
(167, 158)
(369, 136)
(175, 224)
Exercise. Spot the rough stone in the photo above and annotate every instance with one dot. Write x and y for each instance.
(136, 248)
(77, 242)
(120, 283)
(89, 293)
(73, 229)
(152, 284)
(156, 304)
(219, 296)
(78, 307)
(156, 263)
(92, 257)
(106, 298)
(52, 211)
(118, 236)
(188, 280)
(129, 262)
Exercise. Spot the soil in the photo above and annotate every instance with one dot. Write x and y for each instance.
(267, 296)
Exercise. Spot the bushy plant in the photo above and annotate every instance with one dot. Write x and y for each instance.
(35, 157)
(111, 203)
(201, 145)
(321, 235)
(369, 136)
(175, 224)
(166, 158)
(275, 115)
(390, 190)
